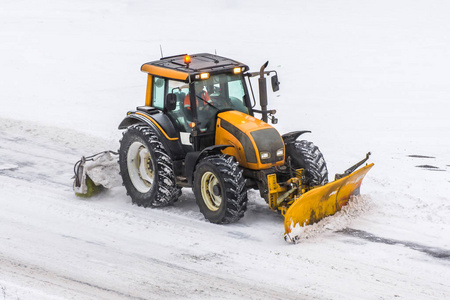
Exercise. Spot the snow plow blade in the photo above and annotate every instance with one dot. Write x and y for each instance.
(322, 201)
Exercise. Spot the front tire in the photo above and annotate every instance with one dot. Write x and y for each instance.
(146, 168)
(220, 190)
(306, 155)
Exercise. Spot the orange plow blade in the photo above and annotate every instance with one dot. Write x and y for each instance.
(323, 201)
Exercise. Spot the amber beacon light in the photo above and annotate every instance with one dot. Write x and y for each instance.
(187, 59)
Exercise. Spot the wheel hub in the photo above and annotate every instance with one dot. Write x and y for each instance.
(140, 167)
(211, 191)
(216, 190)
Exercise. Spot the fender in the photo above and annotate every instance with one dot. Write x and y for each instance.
(292, 136)
(192, 159)
(161, 125)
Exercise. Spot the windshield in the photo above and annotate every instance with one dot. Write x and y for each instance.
(223, 91)
(219, 92)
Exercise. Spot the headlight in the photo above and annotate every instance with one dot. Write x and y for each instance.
(265, 155)
(280, 152)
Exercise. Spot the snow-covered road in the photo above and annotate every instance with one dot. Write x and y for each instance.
(57, 246)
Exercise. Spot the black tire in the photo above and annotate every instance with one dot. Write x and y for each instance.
(306, 155)
(220, 190)
(146, 168)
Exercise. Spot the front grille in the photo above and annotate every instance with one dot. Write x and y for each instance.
(268, 140)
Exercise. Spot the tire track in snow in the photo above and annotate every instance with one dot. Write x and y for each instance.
(433, 251)
(51, 284)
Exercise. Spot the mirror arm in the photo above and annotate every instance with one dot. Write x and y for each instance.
(254, 74)
(269, 111)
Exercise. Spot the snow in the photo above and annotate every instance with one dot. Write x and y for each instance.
(361, 75)
(357, 207)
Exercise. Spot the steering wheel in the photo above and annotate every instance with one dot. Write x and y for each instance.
(206, 106)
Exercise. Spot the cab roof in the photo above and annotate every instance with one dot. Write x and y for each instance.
(174, 66)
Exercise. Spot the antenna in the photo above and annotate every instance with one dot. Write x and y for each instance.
(216, 61)
(160, 48)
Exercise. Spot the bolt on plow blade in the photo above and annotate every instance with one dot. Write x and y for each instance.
(323, 201)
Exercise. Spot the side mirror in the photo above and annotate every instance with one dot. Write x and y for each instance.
(171, 102)
(275, 83)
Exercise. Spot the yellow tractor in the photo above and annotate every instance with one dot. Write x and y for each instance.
(198, 129)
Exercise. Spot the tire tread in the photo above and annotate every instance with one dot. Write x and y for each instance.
(167, 190)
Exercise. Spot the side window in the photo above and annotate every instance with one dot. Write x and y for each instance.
(235, 89)
(181, 90)
(180, 114)
(236, 93)
(158, 92)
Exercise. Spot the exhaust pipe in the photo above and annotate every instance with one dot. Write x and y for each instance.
(263, 92)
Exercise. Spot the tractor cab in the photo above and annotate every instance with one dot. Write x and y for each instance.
(197, 104)
(193, 90)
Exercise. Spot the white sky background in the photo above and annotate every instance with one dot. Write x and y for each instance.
(67, 60)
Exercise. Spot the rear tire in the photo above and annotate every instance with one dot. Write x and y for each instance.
(220, 190)
(306, 155)
(146, 168)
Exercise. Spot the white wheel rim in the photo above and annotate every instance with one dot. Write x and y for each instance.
(212, 201)
(140, 167)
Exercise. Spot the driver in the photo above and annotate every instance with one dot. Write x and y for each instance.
(204, 103)
(199, 92)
